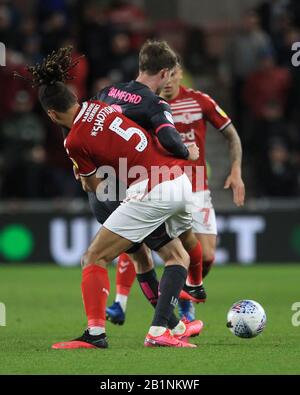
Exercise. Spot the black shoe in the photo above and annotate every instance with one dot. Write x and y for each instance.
(84, 341)
(196, 294)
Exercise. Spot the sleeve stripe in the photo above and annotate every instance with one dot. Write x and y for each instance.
(88, 174)
(225, 125)
(80, 114)
(164, 125)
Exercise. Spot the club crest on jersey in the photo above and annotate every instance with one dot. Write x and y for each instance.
(187, 118)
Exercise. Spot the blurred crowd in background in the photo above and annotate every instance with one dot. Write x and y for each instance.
(250, 72)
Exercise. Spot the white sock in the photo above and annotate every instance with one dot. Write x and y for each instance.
(157, 330)
(179, 329)
(122, 299)
(96, 330)
(193, 285)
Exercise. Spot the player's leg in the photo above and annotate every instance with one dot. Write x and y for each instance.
(147, 277)
(173, 278)
(205, 229)
(135, 220)
(137, 260)
(125, 276)
(193, 289)
(155, 242)
(177, 261)
(125, 269)
(146, 274)
(186, 307)
(95, 287)
(180, 328)
(141, 218)
(208, 242)
(194, 248)
(138, 256)
(204, 223)
(160, 238)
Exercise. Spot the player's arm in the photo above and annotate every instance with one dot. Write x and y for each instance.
(219, 119)
(65, 132)
(84, 168)
(90, 183)
(168, 136)
(234, 180)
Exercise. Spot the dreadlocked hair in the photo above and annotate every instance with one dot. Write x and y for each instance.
(50, 76)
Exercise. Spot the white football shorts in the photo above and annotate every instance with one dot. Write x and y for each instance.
(203, 213)
(140, 214)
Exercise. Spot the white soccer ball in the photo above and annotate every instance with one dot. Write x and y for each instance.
(246, 319)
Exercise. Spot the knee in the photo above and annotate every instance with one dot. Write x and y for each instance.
(208, 255)
(179, 258)
(146, 266)
(208, 259)
(85, 260)
(189, 241)
(93, 258)
(186, 260)
(142, 266)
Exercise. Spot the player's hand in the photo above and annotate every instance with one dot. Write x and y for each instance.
(235, 182)
(194, 152)
(76, 173)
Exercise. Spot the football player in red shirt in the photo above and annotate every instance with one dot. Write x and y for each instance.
(158, 191)
(191, 111)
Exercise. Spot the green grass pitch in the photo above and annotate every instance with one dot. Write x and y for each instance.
(43, 305)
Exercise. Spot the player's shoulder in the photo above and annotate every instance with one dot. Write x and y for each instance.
(110, 90)
(71, 140)
(148, 95)
(160, 106)
(195, 94)
(85, 115)
(159, 101)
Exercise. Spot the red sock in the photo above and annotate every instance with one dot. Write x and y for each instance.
(195, 268)
(95, 290)
(125, 274)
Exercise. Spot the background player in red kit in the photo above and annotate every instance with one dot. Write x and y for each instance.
(191, 111)
(99, 136)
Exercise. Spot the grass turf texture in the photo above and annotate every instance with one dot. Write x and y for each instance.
(44, 306)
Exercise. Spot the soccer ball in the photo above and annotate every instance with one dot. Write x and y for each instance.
(246, 319)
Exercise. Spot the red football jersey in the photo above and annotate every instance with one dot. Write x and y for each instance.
(191, 111)
(101, 136)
